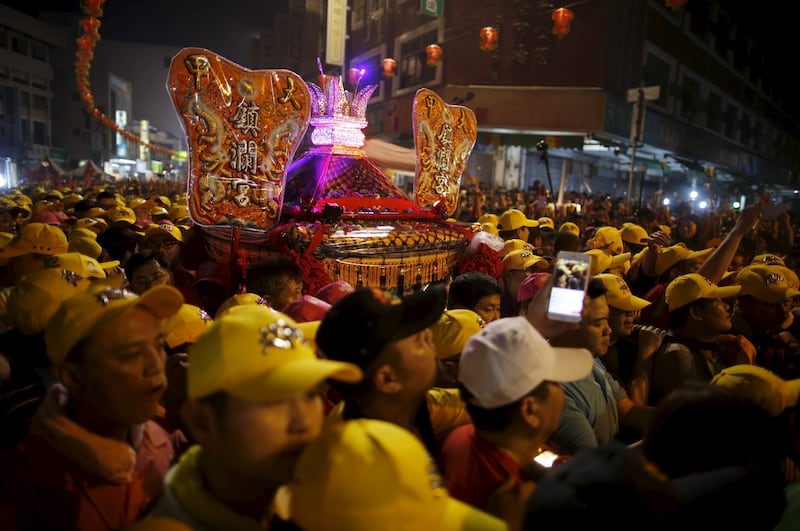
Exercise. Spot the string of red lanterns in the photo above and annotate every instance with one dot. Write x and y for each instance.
(90, 25)
(675, 4)
(562, 17)
(488, 38)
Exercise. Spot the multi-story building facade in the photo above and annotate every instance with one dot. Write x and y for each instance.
(714, 125)
(27, 87)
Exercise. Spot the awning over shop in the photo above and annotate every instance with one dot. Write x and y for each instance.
(390, 156)
(530, 140)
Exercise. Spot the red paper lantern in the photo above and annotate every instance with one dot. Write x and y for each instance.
(354, 76)
(389, 65)
(90, 25)
(675, 4)
(433, 53)
(488, 36)
(562, 17)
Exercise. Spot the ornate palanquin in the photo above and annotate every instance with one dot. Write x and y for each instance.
(251, 197)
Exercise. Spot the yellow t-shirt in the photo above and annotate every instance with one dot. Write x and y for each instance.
(447, 411)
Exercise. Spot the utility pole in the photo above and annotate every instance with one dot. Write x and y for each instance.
(640, 97)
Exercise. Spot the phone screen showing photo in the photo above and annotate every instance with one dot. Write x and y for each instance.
(569, 288)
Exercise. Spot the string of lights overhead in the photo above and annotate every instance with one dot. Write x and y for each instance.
(90, 26)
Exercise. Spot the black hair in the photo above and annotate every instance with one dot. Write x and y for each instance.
(118, 241)
(268, 277)
(566, 241)
(470, 287)
(139, 258)
(596, 288)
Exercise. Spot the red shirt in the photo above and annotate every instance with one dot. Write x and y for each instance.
(473, 468)
(41, 488)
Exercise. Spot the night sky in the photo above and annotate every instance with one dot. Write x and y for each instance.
(168, 22)
(215, 26)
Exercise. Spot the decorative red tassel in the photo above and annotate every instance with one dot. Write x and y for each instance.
(484, 259)
(314, 273)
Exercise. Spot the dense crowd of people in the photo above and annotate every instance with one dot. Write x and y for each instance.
(144, 385)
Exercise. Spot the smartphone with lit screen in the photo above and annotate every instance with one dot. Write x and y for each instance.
(570, 279)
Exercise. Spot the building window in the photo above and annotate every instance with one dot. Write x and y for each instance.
(19, 44)
(722, 36)
(358, 14)
(40, 133)
(714, 111)
(658, 70)
(3, 37)
(746, 130)
(39, 82)
(19, 76)
(24, 100)
(39, 51)
(375, 118)
(370, 61)
(731, 112)
(25, 129)
(3, 72)
(39, 102)
(689, 98)
(412, 71)
(758, 133)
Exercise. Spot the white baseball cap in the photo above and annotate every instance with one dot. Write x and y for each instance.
(509, 358)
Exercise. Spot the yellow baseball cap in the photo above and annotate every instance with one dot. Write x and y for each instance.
(260, 355)
(240, 299)
(692, 287)
(372, 474)
(178, 213)
(619, 294)
(309, 329)
(39, 238)
(515, 244)
(522, 260)
(546, 222)
(767, 259)
(162, 228)
(489, 218)
(122, 214)
(137, 202)
(79, 315)
(607, 239)
(85, 223)
(84, 265)
(82, 233)
(491, 228)
(669, 256)
(513, 219)
(765, 388)
(186, 326)
(633, 233)
(97, 212)
(766, 283)
(569, 226)
(453, 329)
(602, 261)
(37, 296)
(87, 246)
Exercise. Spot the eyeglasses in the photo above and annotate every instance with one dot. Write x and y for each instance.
(156, 278)
(163, 244)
